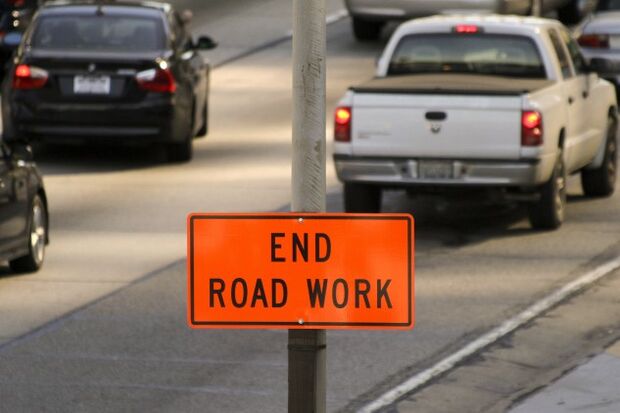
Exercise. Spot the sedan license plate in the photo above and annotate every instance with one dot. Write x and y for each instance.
(435, 170)
(92, 85)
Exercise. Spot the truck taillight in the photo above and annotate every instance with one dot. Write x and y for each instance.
(466, 29)
(342, 124)
(594, 41)
(531, 128)
(157, 80)
(29, 77)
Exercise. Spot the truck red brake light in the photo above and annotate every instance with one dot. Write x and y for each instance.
(594, 41)
(342, 124)
(157, 80)
(531, 128)
(467, 29)
(29, 77)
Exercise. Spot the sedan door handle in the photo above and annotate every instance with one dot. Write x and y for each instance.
(571, 100)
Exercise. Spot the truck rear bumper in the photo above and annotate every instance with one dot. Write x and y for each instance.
(409, 172)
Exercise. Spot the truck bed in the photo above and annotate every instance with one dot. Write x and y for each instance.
(459, 84)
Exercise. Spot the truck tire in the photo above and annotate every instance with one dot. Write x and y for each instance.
(549, 211)
(366, 30)
(362, 198)
(571, 13)
(601, 182)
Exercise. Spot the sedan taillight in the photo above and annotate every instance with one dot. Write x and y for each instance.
(29, 77)
(157, 80)
(594, 41)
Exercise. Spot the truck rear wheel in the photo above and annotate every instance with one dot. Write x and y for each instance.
(365, 30)
(601, 181)
(549, 211)
(362, 198)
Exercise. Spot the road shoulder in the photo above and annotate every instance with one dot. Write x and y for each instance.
(530, 359)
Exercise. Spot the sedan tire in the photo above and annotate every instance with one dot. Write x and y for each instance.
(37, 228)
(181, 152)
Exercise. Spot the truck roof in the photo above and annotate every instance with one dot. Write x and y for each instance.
(492, 22)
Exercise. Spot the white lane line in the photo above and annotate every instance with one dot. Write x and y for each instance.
(492, 336)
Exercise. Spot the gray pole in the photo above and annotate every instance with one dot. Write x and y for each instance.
(307, 348)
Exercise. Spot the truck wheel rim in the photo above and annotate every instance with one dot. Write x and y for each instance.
(560, 193)
(612, 161)
(37, 234)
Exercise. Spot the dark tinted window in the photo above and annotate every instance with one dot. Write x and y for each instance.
(103, 33)
(478, 54)
(561, 54)
(574, 52)
(604, 5)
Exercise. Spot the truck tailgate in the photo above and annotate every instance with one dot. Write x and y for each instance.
(411, 125)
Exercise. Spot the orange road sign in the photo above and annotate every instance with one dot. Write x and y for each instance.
(301, 271)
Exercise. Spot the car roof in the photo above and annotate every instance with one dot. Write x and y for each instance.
(90, 6)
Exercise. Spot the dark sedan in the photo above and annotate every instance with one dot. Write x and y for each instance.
(115, 72)
(23, 209)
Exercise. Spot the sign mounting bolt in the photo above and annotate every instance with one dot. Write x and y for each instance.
(300, 220)
(300, 321)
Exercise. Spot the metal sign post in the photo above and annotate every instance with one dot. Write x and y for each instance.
(307, 348)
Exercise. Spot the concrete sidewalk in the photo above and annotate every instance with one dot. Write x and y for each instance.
(593, 387)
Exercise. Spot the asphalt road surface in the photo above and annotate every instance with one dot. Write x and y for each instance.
(102, 326)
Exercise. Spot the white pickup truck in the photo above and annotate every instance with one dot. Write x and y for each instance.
(499, 104)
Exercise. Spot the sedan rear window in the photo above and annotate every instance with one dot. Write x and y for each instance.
(98, 33)
(485, 54)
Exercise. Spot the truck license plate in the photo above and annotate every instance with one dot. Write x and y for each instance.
(435, 170)
(93, 85)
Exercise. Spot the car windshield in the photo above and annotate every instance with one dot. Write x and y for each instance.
(99, 33)
(486, 54)
(604, 5)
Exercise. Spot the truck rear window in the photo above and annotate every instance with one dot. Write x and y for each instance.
(486, 54)
(99, 33)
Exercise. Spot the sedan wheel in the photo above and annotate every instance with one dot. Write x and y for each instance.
(37, 239)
